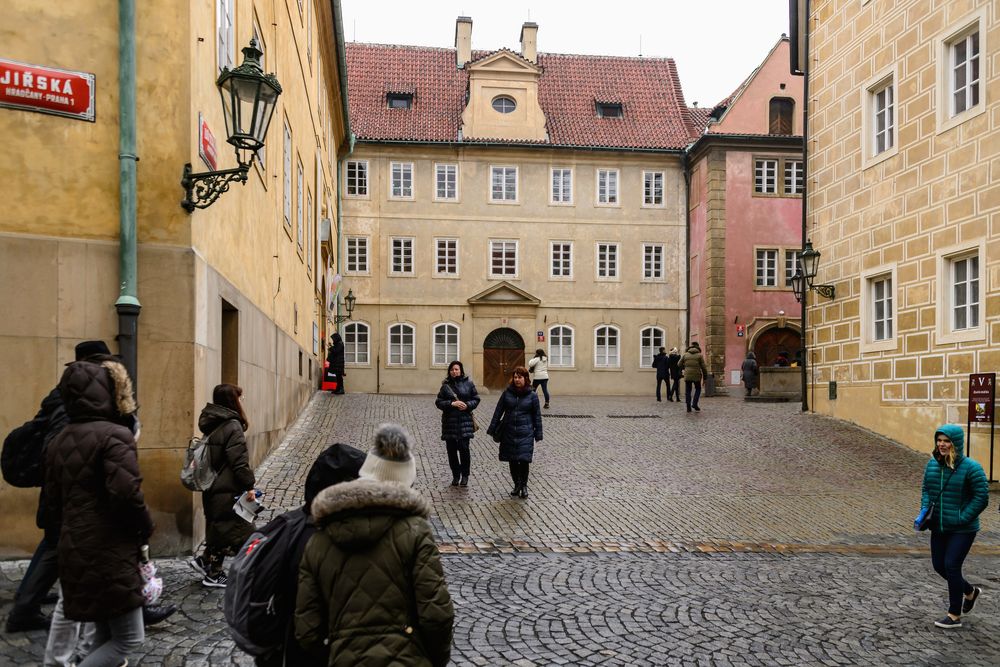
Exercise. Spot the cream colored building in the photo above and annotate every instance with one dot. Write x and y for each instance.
(545, 209)
(903, 140)
(232, 293)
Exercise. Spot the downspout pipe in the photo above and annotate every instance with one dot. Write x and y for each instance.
(338, 28)
(127, 304)
(805, 199)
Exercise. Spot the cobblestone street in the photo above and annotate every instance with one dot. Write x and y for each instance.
(748, 534)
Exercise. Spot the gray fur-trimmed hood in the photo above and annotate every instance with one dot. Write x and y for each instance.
(356, 514)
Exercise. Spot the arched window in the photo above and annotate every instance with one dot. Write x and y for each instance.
(356, 341)
(651, 339)
(401, 339)
(780, 112)
(606, 350)
(445, 344)
(560, 346)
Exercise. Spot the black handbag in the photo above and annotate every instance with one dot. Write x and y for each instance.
(497, 434)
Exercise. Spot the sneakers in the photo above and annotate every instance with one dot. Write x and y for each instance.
(218, 581)
(948, 622)
(199, 565)
(968, 604)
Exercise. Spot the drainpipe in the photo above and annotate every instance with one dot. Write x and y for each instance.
(687, 251)
(127, 304)
(805, 193)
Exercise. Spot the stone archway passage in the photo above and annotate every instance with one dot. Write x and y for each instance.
(503, 351)
(779, 339)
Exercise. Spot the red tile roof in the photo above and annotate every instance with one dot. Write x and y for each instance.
(699, 117)
(655, 115)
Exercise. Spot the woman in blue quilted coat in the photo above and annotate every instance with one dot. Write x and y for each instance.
(456, 400)
(958, 488)
(517, 426)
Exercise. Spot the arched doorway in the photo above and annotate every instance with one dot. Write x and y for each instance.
(503, 351)
(775, 340)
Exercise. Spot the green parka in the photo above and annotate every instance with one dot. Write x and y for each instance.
(370, 581)
(964, 492)
(693, 365)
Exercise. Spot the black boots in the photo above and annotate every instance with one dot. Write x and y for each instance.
(455, 479)
(464, 481)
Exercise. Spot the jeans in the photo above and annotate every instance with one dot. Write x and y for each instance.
(115, 638)
(545, 388)
(948, 552)
(41, 575)
(674, 389)
(688, 385)
(458, 456)
(62, 648)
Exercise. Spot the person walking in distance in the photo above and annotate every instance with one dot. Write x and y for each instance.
(956, 492)
(675, 371)
(456, 400)
(539, 366)
(749, 370)
(693, 365)
(335, 361)
(662, 372)
(225, 423)
(517, 426)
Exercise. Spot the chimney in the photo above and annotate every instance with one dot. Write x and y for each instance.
(463, 41)
(529, 42)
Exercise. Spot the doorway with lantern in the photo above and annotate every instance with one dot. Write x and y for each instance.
(503, 351)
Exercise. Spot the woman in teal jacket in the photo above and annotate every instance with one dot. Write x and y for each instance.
(958, 488)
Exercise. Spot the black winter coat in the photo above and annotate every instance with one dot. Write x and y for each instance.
(660, 364)
(457, 424)
(335, 355)
(93, 492)
(231, 462)
(674, 366)
(52, 418)
(522, 417)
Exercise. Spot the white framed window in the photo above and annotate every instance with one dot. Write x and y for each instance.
(791, 265)
(767, 267)
(561, 254)
(357, 339)
(310, 226)
(607, 187)
(878, 309)
(562, 186)
(445, 344)
(503, 184)
(299, 224)
(765, 176)
(652, 188)
(286, 194)
(309, 34)
(964, 280)
(884, 118)
(607, 261)
(225, 40)
(606, 348)
(963, 67)
(357, 255)
(446, 182)
(960, 294)
(503, 259)
(401, 255)
(965, 75)
(401, 180)
(446, 257)
(651, 339)
(652, 262)
(879, 105)
(794, 183)
(778, 176)
(882, 303)
(356, 178)
(401, 341)
(561, 346)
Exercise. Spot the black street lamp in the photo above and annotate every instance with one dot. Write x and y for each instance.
(349, 302)
(248, 101)
(802, 280)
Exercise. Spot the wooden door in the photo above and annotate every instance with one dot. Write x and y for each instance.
(498, 365)
(771, 342)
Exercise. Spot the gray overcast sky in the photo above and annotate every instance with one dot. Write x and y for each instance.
(715, 44)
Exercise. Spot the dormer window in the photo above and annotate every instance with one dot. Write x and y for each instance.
(399, 100)
(504, 104)
(609, 110)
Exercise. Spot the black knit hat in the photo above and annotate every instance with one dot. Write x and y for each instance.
(337, 463)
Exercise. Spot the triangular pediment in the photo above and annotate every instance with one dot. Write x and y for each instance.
(503, 61)
(505, 293)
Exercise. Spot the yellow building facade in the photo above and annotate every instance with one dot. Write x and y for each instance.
(904, 137)
(236, 292)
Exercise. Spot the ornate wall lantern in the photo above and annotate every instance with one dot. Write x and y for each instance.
(803, 279)
(349, 302)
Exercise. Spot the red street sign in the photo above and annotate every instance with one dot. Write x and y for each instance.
(982, 393)
(46, 90)
(206, 144)
(540, 335)
(740, 330)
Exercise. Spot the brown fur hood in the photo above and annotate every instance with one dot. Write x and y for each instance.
(356, 515)
(98, 389)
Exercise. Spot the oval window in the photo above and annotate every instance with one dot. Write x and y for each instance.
(504, 104)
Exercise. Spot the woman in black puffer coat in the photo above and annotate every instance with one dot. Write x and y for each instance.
(456, 400)
(521, 417)
(224, 421)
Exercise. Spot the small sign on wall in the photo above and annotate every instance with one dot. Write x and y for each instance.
(982, 394)
(206, 144)
(46, 90)
(540, 335)
(740, 330)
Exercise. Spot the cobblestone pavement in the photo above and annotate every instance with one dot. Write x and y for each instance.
(748, 534)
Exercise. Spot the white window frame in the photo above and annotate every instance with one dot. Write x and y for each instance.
(405, 169)
(762, 167)
(654, 271)
(870, 154)
(442, 169)
(793, 181)
(557, 355)
(225, 34)
(286, 194)
(649, 199)
(360, 179)
(612, 266)
(398, 358)
(438, 273)
(869, 343)
(946, 261)
(757, 284)
(960, 30)
(504, 170)
(603, 354)
(517, 259)
(788, 253)
(565, 262)
(563, 194)
(654, 347)
(436, 359)
(299, 189)
(609, 192)
(352, 357)
(357, 255)
(405, 241)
